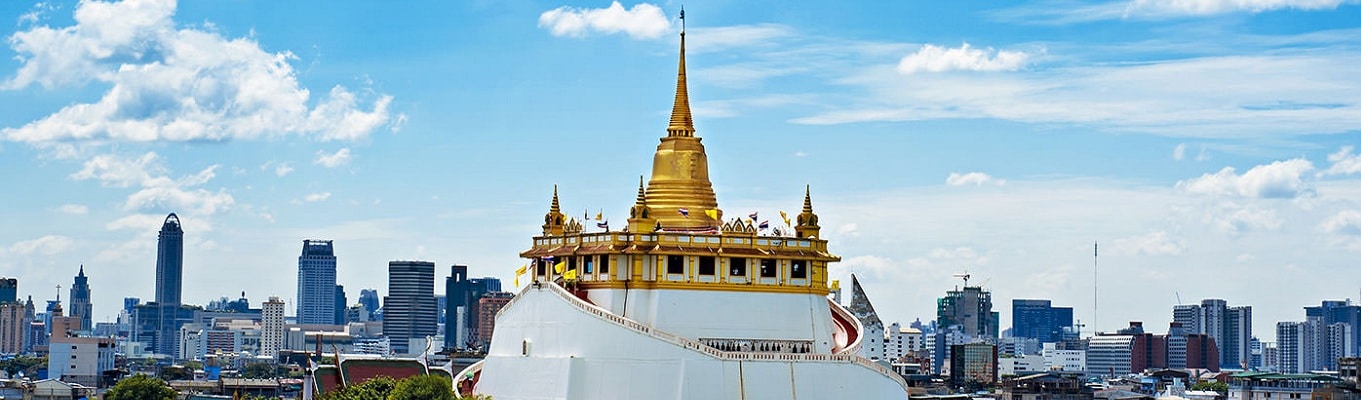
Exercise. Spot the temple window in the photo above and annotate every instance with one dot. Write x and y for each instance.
(590, 264)
(706, 265)
(798, 269)
(675, 264)
(604, 264)
(768, 268)
(737, 266)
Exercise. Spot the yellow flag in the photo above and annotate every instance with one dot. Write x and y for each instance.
(600, 216)
(785, 218)
(570, 275)
(836, 284)
(560, 266)
(520, 271)
(713, 214)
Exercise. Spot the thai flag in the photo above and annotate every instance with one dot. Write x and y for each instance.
(764, 225)
(753, 216)
(605, 225)
(684, 211)
(547, 258)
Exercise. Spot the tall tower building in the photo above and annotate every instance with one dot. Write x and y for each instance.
(1038, 319)
(317, 283)
(9, 290)
(80, 301)
(13, 326)
(1339, 311)
(1237, 348)
(1190, 317)
(170, 261)
(409, 310)
(272, 327)
(970, 309)
(369, 298)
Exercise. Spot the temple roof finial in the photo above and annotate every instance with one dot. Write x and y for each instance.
(554, 208)
(682, 124)
(642, 194)
(807, 199)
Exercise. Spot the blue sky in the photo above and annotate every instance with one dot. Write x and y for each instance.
(1207, 144)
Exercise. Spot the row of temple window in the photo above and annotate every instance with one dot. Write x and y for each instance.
(705, 265)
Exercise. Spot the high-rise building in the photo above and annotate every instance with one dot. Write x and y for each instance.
(461, 328)
(9, 290)
(487, 307)
(1339, 311)
(80, 301)
(970, 309)
(369, 298)
(170, 262)
(973, 365)
(317, 283)
(409, 308)
(340, 302)
(1229, 327)
(1038, 319)
(12, 327)
(272, 327)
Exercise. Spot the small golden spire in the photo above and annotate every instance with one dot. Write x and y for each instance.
(682, 124)
(554, 208)
(642, 193)
(807, 199)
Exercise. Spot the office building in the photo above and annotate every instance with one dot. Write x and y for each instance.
(1038, 319)
(1339, 311)
(340, 302)
(487, 307)
(9, 290)
(170, 261)
(461, 327)
(369, 298)
(12, 327)
(80, 301)
(157, 324)
(317, 283)
(409, 308)
(272, 327)
(973, 365)
(1229, 327)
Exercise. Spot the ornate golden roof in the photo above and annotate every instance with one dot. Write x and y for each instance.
(679, 193)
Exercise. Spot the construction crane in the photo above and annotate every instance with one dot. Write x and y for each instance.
(965, 276)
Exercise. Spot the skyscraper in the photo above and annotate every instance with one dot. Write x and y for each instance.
(1229, 327)
(317, 283)
(169, 261)
(409, 309)
(9, 290)
(461, 307)
(971, 309)
(1038, 319)
(340, 301)
(80, 301)
(1339, 311)
(369, 298)
(272, 327)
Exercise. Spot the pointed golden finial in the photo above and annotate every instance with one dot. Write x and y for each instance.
(642, 193)
(682, 124)
(554, 208)
(807, 199)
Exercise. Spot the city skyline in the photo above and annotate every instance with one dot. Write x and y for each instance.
(1197, 145)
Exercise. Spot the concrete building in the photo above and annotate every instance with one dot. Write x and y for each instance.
(1267, 385)
(971, 310)
(9, 290)
(1056, 359)
(973, 365)
(1339, 311)
(487, 307)
(460, 307)
(409, 308)
(80, 360)
(900, 341)
(1020, 365)
(317, 283)
(170, 261)
(12, 327)
(272, 327)
(1190, 317)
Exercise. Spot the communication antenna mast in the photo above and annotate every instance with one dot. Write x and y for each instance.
(965, 276)
(1095, 253)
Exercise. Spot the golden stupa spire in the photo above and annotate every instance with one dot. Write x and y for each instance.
(554, 221)
(680, 195)
(554, 208)
(682, 124)
(808, 221)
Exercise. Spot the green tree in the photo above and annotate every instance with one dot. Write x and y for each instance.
(1217, 386)
(372, 389)
(141, 387)
(175, 373)
(259, 371)
(423, 387)
(193, 365)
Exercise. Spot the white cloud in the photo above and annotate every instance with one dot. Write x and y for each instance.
(47, 246)
(341, 157)
(642, 21)
(932, 58)
(315, 197)
(1344, 228)
(973, 178)
(1150, 244)
(1344, 162)
(1280, 179)
(173, 84)
(74, 209)
(1179, 153)
(283, 169)
(157, 190)
(1211, 7)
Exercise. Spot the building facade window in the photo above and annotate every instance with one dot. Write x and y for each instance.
(768, 269)
(706, 265)
(798, 269)
(675, 264)
(737, 266)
